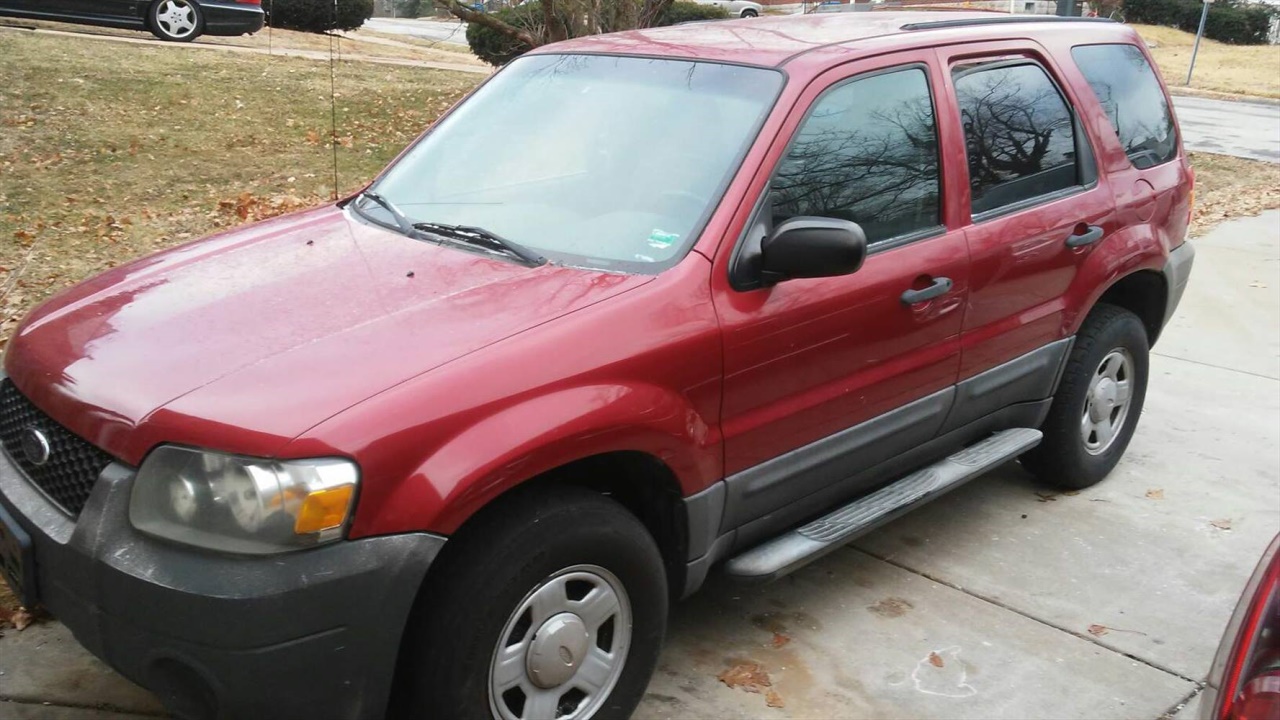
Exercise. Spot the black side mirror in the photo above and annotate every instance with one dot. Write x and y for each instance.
(811, 247)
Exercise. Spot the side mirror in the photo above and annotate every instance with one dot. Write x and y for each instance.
(811, 247)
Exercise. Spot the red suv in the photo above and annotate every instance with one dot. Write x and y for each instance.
(724, 294)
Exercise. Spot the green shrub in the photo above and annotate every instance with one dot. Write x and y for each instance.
(682, 12)
(318, 15)
(495, 48)
(1229, 21)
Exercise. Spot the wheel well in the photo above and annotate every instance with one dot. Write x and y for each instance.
(641, 483)
(1144, 294)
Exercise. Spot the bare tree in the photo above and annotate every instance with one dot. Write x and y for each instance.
(563, 19)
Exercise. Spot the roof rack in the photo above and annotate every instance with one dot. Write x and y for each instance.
(967, 22)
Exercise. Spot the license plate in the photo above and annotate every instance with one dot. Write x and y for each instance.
(17, 563)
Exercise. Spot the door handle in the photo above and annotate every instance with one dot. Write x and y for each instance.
(940, 286)
(1091, 235)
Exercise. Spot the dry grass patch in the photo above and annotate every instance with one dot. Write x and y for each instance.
(1231, 187)
(1236, 69)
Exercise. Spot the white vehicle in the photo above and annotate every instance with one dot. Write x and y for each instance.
(736, 8)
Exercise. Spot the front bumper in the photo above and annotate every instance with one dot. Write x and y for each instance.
(312, 633)
(230, 18)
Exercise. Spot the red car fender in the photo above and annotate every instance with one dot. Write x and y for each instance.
(503, 450)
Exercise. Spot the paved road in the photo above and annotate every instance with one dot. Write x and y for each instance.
(1243, 129)
(1001, 600)
(449, 31)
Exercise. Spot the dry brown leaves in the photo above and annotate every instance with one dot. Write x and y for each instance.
(1098, 630)
(247, 206)
(935, 659)
(1155, 494)
(1222, 524)
(748, 676)
(779, 639)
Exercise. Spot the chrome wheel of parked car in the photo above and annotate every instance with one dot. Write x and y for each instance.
(1107, 403)
(1098, 402)
(563, 649)
(177, 20)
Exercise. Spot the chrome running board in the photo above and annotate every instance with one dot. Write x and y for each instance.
(796, 548)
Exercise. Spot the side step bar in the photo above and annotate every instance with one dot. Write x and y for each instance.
(801, 546)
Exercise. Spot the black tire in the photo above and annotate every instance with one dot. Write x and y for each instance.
(1063, 458)
(166, 27)
(749, 13)
(492, 566)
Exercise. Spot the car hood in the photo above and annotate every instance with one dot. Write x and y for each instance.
(244, 340)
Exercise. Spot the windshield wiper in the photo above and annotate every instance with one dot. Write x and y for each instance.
(479, 237)
(402, 222)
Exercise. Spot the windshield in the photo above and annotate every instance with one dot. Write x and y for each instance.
(596, 161)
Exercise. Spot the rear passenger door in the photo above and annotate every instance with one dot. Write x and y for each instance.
(1037, 208)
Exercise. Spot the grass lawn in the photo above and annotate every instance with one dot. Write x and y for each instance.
(110, 151)
(1239, 69)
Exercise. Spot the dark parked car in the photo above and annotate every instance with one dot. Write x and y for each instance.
(177, 20)
(450, 447)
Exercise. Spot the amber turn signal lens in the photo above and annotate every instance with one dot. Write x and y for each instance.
(323, 510)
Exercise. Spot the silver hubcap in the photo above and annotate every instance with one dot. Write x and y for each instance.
(562, 650)
(176, 18)
(1107, 404)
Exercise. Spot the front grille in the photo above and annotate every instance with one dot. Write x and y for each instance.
(73, 465)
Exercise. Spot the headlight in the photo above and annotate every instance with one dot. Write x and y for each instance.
(241, 504)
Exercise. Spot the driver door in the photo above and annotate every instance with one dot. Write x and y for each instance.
(876, 350)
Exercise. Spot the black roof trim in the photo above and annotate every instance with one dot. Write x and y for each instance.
(968, 22)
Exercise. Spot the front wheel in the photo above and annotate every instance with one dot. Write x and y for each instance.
(175, 20)
(549, 606)
(1095, 410)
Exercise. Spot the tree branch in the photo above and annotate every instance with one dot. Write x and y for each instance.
(463, 12)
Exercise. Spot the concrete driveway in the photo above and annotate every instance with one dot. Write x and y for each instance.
(1002, 600)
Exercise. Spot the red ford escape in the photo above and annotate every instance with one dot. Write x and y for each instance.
(644, 305)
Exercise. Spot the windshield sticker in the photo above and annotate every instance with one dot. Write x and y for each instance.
(662, 240)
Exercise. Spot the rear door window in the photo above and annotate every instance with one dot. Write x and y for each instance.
(867, 152)
(1129, 92)
(1020, 135)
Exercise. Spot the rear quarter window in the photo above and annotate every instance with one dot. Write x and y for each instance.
(1129, 92)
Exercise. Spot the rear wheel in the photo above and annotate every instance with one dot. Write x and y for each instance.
(175, 20)
(552, 605)
(749, 13)
(1099, 400)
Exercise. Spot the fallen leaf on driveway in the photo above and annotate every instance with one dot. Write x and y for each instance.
(1046, 497)
(748, 676)
(1223, 524)
(935, 659)
(1155, 494)
(21, 618)
(773, 699)
(1097, 630)
(779, 639)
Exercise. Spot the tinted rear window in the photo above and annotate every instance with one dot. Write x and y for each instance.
(1019, 135)
(1130, 93)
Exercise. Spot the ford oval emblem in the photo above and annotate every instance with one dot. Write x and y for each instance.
(35, 446)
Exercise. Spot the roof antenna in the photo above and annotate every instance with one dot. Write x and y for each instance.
(333, 101)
